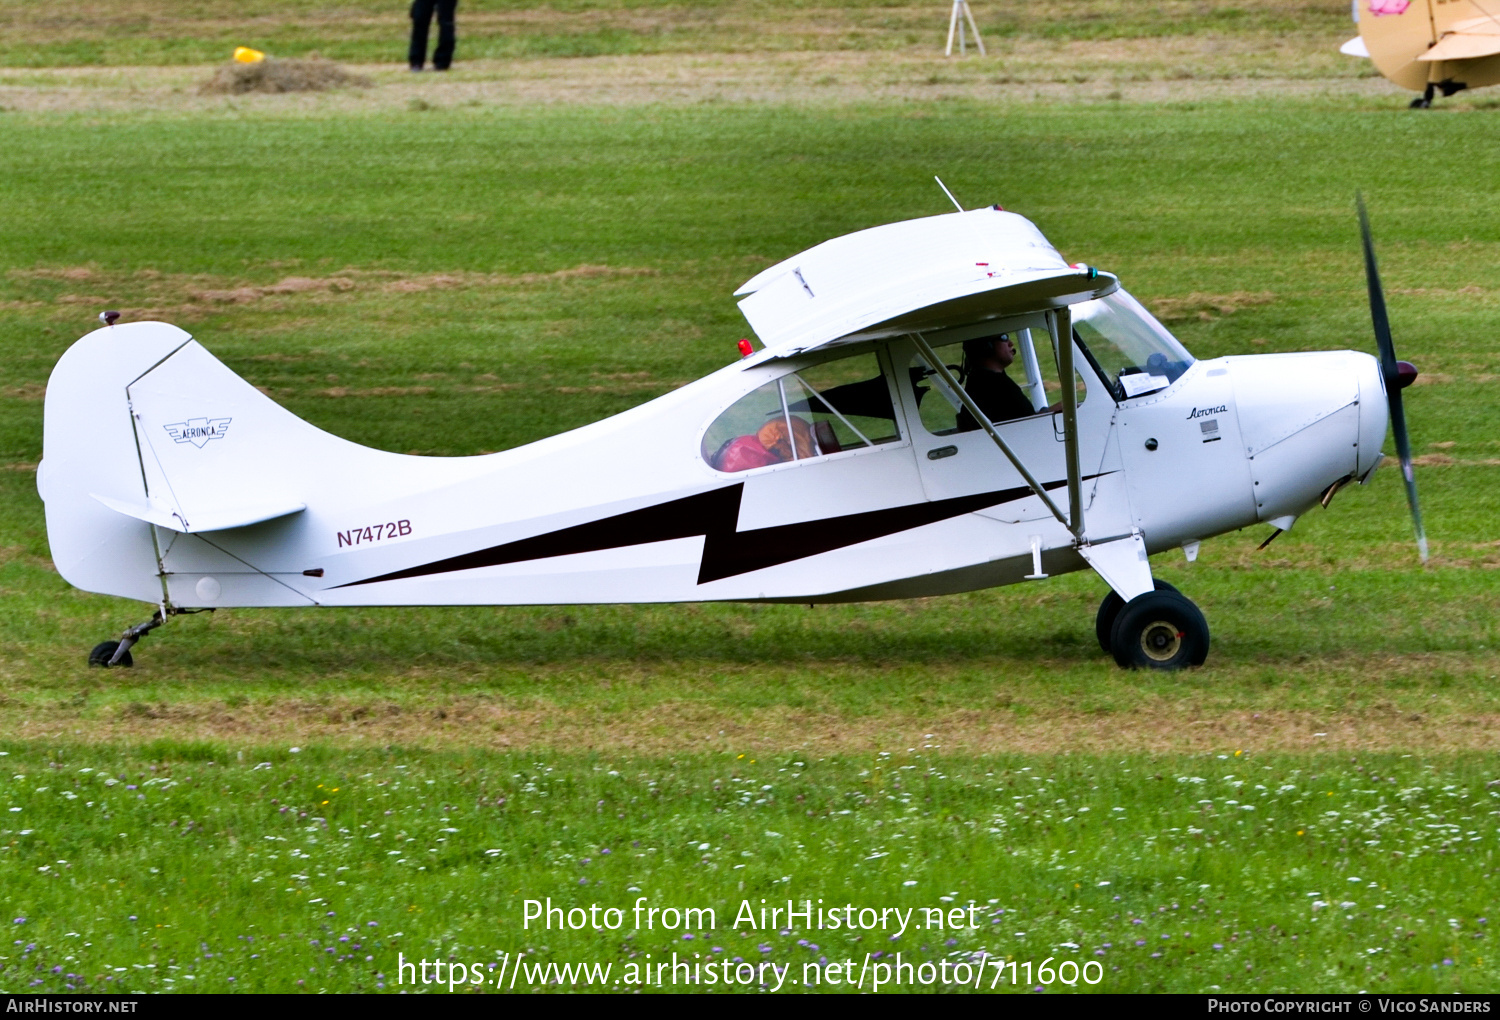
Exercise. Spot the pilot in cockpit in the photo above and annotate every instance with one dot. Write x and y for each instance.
(985, 360)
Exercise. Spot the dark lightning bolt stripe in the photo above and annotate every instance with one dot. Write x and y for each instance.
(714, 515)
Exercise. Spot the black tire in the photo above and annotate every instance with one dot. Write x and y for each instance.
(1160, 630)
(104, 651)
(1109, 610)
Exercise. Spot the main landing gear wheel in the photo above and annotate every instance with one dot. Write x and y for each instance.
(104, 651)
(1109, 609)
(1159, 630)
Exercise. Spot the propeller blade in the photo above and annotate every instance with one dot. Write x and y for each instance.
(1391, 370)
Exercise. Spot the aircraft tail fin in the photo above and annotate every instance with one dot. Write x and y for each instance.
(144, 427)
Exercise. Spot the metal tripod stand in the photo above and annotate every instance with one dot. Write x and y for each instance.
(962, 14)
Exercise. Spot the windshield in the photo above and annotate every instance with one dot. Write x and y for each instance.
(1132, 351)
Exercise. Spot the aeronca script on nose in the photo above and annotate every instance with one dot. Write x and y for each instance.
(198, 430)
(1204, 412)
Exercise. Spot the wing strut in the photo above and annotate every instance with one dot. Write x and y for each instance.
(1060, 323)
(1074, 484)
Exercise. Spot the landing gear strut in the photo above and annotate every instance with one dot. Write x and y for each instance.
(1448, 88)
(117, 653)
(1161, 629)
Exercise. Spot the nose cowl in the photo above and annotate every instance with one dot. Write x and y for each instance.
(1374, 413)
(1304, 423)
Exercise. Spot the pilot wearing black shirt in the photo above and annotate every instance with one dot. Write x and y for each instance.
(985, 381)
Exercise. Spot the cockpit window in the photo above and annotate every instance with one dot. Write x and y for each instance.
(1034, 390)
(1132, 351)
(835, 406)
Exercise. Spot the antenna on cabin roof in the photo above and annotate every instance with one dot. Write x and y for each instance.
(947, 192)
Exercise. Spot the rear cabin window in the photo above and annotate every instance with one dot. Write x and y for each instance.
(832, 407)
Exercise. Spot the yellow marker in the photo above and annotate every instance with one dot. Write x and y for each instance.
(245, 55)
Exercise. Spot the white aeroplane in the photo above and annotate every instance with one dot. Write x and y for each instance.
(872, 449)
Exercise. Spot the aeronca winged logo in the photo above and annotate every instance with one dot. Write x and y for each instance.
(198, 430)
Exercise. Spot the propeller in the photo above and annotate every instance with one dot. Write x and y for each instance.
(1397, 374)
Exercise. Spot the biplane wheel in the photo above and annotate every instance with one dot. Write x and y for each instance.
(104, 651)
(1109, 609)
(1420, 103)
(1159, 630)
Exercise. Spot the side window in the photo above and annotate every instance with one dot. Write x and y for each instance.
(1027, 386)
(831, 407)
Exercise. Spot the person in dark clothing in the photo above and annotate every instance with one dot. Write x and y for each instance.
(998, 396)
(421, 19)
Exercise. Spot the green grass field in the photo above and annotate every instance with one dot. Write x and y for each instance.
(152, 32)
(1232, 872)
(458, 269)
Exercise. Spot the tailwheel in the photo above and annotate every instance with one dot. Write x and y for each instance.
(117, 653)
(104, 652)
(1109, 611)
(1159, 630)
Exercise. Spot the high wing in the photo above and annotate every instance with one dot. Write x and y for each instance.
(911, 277)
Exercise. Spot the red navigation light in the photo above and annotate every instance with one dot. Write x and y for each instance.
(746, 349)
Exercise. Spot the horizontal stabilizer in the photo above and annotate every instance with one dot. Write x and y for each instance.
(202, 520)
(1355, 48)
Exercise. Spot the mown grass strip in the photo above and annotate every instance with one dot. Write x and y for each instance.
(1175, 873)
(153, 32)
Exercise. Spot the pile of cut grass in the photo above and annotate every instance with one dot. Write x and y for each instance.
(274, 76)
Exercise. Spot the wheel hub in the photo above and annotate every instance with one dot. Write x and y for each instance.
(1161, 640)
